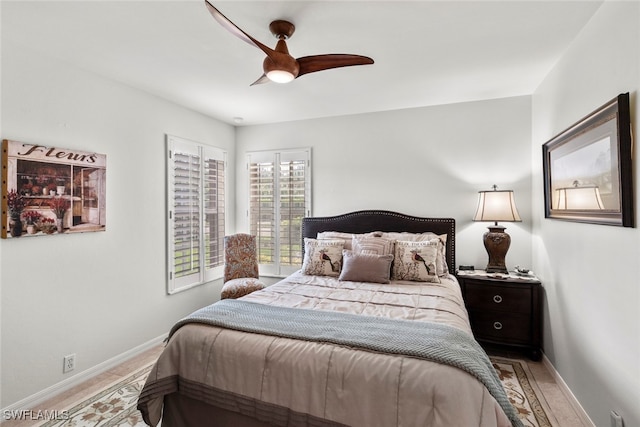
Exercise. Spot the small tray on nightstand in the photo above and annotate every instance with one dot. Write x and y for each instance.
(512, 275)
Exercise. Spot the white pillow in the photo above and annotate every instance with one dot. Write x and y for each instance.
(335, 235)
(372, 245)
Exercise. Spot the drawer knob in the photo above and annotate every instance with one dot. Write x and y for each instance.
(497, 326)
(497, 299)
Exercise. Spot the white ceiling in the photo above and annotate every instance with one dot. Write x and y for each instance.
(425, 52)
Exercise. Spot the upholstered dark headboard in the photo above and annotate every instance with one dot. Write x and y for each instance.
(380, 220)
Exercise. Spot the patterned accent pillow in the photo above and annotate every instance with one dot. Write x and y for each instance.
(441, 262)
(372, 245)
(416, 261)
(322, 257)
(337, 235)
(365, 267)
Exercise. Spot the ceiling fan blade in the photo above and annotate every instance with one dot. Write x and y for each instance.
(236, 31)
(261, 80)
(311, 64)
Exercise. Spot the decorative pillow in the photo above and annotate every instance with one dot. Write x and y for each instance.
(322, 257)
(335, 235)
(365, 267)
(408, 237)
(416, 261)
(372, 245)
(441, 262)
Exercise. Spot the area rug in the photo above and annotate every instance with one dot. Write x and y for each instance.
(115, 405)
(522, 392)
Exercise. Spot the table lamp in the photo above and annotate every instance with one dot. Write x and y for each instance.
(496, 205)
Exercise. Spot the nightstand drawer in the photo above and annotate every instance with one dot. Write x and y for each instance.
(483, 296)
(501, 326)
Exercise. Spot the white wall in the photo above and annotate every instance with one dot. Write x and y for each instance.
(424, 161)
(96, 294)
(591, 272)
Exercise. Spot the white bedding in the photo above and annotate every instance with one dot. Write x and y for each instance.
(421, 301)
(319, 383)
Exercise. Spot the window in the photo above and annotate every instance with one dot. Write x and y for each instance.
(196, 213)
(279, 197)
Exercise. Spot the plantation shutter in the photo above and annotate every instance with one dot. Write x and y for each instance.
(262, 212)
(279, 197)
(196, 213)
(214, 198)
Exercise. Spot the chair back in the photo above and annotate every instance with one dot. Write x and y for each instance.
(240, 257)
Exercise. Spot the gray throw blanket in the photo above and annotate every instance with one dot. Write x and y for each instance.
(430, 341)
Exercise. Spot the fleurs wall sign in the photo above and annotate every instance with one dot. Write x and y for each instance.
(50, 190)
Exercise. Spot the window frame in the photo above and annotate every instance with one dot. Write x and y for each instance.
(204, 152)
(277, 269)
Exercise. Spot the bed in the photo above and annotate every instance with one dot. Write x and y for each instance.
(371, 331)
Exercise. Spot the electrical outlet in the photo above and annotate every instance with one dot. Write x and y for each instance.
(69, 363)
(616, 420)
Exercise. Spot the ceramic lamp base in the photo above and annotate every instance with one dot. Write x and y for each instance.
(497, 243)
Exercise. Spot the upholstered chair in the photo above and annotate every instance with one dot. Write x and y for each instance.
(240, 266)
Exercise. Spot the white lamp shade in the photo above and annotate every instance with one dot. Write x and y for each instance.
(280, 76)
(579, 198)
(497, 205)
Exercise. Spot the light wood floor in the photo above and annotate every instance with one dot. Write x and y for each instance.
(562, 412)
(89, 387)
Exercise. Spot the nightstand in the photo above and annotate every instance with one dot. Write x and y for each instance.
(505, 309)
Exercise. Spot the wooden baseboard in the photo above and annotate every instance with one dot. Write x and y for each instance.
(564, 388)
(50, 392)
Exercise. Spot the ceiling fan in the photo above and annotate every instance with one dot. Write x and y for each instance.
(279, 66)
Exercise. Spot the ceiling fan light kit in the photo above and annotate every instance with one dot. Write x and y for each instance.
(279, 76)
(279, 66)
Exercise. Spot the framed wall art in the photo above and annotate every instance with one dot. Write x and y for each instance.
(51, 190)
(588, 168)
